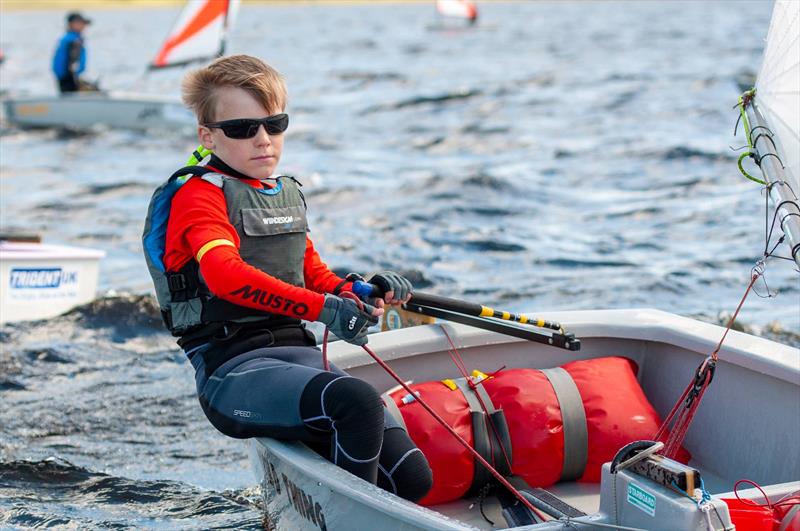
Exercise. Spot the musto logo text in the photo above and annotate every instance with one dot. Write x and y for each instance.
(41, 278)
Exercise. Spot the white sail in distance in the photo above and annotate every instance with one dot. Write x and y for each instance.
(778, 85)
(457, 8)
(198, 34)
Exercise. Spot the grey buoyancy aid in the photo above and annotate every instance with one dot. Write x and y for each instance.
(271, 224)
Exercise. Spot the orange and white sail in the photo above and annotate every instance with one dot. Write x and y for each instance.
(198, 34)
(457, 8)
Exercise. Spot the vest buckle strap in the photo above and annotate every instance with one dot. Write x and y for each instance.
(176, 282)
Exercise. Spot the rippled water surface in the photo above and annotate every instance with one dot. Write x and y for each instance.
(565, 155)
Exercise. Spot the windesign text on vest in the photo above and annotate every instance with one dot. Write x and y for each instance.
(278, 220)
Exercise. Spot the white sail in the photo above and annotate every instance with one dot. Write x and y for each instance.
(457, 8)
(198, 34)
(778, 85)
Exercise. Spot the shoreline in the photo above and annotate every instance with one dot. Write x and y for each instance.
(105, 5)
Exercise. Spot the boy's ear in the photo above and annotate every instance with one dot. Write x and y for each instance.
(204, 134)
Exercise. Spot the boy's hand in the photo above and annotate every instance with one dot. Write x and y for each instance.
(395, 288)
(344, 318)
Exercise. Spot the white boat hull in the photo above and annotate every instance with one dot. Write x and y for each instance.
(88, 110)
(746, 426)
(38, 281)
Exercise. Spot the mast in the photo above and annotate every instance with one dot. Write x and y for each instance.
(782, 187)
(774, 115)
(230, 17)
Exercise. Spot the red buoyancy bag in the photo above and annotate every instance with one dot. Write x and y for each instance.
(616, 413)
(750, 515)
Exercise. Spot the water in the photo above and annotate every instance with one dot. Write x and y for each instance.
(558, 156)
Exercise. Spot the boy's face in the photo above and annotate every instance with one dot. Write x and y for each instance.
(256, 157)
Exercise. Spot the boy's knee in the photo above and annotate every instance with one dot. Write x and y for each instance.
(341, 398)
(348, 397)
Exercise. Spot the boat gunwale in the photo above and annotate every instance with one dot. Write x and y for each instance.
(741, 349)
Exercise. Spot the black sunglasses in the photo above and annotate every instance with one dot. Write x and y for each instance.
(248, 127)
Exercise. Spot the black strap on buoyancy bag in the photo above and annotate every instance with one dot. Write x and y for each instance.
(490, 436)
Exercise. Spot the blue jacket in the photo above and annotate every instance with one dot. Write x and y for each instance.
(70, 55)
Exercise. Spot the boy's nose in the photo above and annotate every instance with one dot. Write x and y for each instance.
(262, 137)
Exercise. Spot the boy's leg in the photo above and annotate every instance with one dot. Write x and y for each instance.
(402, 468)
(351, 410)
(262, 393)
(67, 84)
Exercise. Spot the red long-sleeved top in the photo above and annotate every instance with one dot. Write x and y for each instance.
(198, 216)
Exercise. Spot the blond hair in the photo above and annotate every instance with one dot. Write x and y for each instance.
(264, 83)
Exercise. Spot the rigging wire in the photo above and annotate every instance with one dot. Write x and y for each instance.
(682, 413)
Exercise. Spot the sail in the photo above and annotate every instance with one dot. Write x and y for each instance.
(198, 34)
(457, 8)
(775, 115)
(778, 85)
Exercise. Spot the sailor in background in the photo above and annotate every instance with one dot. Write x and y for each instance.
(69, 61)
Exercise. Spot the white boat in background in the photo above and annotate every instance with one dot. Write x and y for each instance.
(745, 424)
(198, 34)
(40, 280)
(87, 110)
(462, 9)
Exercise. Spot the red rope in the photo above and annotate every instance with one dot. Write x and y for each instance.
(499, 477)
(325, 364)
(473, 385)
(455, 355)
(735, 314)
(789, 499)
(683, 411)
